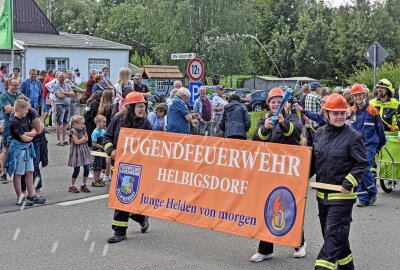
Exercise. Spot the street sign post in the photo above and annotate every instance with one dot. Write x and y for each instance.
(183, 56)
(195, 69)
(375, 55)
(194, 91)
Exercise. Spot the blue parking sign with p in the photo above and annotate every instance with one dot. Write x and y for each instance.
(194, 91)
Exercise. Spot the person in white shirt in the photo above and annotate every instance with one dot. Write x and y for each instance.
(217, 107)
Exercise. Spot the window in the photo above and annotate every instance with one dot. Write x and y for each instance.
(59, 64)
(98, 64)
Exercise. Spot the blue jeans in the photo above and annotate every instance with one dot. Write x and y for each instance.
(368, 183)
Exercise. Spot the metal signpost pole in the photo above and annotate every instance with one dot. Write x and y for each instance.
(375, 56)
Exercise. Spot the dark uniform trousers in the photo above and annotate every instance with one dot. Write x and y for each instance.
(266, 248)
(335, 224)
(120, 221)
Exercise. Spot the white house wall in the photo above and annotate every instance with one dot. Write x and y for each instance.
(78, 58)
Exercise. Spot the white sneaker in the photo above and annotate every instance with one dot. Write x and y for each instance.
(90, 174)
(301, 252)
(107, 178)
(258, 257)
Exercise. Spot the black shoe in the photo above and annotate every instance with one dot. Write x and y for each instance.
(37, 199)
(24, 202)
(362, 204)
(116, 239)
(144, 226)
(3, 178)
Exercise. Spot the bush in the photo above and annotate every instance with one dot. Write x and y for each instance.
(366, 75)
(254, 118)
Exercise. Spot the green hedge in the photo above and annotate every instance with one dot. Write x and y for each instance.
(254, 118)
(366, 75)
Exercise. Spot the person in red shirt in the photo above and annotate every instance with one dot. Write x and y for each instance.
(90, 83)
(46, 106)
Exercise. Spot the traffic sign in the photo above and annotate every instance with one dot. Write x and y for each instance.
(181, 56)
(195, 69)
(379, 56)
(194, 91)
(375, 56)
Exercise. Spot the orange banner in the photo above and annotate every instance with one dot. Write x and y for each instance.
(253, 189)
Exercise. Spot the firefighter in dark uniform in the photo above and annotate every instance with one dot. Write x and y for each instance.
(287, 131)
(339, 159)
(132, 116)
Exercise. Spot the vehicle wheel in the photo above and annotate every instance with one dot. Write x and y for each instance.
(257, 107)
(386, 185)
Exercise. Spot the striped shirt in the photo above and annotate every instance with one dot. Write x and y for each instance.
(313, 104)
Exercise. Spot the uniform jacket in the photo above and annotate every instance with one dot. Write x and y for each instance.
(316, 117)
(235, 120)
(339, 158)
(112, 133)
(389, 112)
(287, 133)
(368, 122)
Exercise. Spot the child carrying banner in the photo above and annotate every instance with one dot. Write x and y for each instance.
(134, 116)
(286, 131)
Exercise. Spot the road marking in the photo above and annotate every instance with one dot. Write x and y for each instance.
(16, 234)
(54, 247)
(105, 250)
(93, 198)
(92, 246)
(86, 236)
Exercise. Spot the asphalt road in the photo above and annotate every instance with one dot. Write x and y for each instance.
(74, 236)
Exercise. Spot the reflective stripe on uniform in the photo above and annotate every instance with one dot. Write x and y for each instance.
(262, 137)
(291, 128)
(120, 223)
(345, 260)
(337, 196)
(369, 124)
(325, 264)
(352, 180)
(110, 144)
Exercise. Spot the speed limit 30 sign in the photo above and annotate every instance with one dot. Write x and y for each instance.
(195, 69)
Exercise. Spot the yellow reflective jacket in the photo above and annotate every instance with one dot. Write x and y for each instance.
(389, 112)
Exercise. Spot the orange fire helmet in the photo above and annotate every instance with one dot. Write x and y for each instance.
(357, 88)
(336, 103)
(134, 97)
(275, 92)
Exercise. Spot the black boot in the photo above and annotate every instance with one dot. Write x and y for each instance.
(144, 226)
(116, 238)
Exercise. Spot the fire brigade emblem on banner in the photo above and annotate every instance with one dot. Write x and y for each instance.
(280, 211)
(128, 180)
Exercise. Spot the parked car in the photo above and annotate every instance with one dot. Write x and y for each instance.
(256, 100)
(242, 92)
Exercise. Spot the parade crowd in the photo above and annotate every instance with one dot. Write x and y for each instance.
(345, 128)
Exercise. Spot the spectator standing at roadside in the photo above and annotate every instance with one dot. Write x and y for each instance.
(140, 87)
(42, 75)
(78, 91)
(32, 89)
(157, 117)
(3, 78)
(90, 83)
(217, 106)
(235, 120)
(19, 159)
(313, 104)
(179, 117)
(107, 83)
(124, 81)
(106, 105)
(33, 119)
(99, 83)
(48, 101)
(90, 113)
(63, 93)
(202, 106)
(14, 75)
(7, 100)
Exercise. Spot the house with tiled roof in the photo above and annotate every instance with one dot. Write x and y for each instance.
(38, 44)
